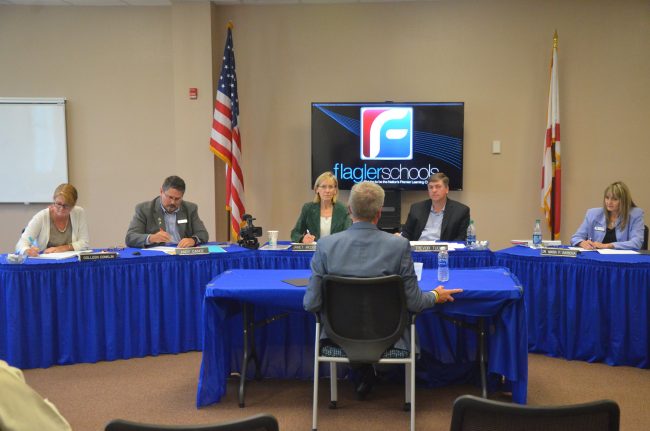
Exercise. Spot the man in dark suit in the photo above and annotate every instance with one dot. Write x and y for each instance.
(167, 219)
(437, 218)
(365, 251)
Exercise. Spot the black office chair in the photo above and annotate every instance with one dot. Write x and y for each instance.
(261, 422)
(645, 238)
(472, 413)
(365, 317)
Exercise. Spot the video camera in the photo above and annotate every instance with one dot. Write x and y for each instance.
(248, 233)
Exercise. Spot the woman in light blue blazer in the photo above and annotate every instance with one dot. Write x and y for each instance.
(618, 224)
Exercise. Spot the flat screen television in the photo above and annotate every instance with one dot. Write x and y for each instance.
(396, 145)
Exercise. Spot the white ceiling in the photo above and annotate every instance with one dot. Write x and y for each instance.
(169, 2)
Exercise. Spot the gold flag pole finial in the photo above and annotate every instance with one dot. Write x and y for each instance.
(555, 39)
(231, 25)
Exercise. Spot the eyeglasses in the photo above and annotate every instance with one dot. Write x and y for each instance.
(172, 198)
(61, 206)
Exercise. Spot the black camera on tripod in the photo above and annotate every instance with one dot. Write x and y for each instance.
(248, 233)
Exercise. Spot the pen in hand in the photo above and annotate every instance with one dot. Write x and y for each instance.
(33, 249)
(308, 238)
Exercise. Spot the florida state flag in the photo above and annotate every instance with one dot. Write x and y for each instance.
(551, 166)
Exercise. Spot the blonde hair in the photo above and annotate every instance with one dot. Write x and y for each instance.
(67, 192)
(620, 191)
(322, 177)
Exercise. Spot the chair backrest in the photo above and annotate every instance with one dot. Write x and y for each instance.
(645, 238)
(261, 422)
(365, 316)
(472, 413)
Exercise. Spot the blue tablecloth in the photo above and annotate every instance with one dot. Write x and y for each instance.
(286, 346)
(592, 308)
(55, 312)
(65, 312)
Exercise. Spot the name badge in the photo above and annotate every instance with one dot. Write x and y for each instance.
(183, 221)
(599, 228)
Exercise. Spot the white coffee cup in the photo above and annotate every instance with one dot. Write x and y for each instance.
(273, 238)
(418, 269)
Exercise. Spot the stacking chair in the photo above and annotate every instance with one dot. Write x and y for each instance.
(472, 413)
(261, 422)
(364, 317)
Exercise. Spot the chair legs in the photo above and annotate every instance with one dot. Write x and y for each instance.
(314, 424)
(409, 386)
(334, 394)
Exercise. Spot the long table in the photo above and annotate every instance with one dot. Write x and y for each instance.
(56, 312)
(285, 346)
(66, 312)
(592, 308)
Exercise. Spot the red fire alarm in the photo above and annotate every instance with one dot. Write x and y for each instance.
(194, 93)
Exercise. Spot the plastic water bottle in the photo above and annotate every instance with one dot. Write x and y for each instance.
(471, 235)
(537, 235)
(443, 265)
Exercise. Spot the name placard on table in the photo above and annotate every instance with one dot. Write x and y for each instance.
(303, 247)
(190, 251)
(101, 255)
(429, 247)
(562, 252)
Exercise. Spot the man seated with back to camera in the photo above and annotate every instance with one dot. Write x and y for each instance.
(365, 251)
(437, 218)
(167, 219)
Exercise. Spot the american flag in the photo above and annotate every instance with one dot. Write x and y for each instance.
(551, 172)
(225, 140)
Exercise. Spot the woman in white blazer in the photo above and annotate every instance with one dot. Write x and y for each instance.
(618, 224)
(60, 227)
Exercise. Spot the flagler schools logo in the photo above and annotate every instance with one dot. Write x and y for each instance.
(386, 133)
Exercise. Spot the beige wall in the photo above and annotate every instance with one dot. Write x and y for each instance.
(126, 73)
(493, 55)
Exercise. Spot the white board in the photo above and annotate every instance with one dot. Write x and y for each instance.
(33, 149)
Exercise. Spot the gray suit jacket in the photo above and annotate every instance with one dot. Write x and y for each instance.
(149, 219)
(365, 251)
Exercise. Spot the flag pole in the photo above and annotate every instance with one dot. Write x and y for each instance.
(229, 26)
(225, 138)
(552, 159)
(553, 183)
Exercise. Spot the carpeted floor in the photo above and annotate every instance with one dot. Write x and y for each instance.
(163, 390)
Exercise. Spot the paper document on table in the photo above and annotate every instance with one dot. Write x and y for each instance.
(61, 255)
(163, 248)
(450, 245)
(611, 251)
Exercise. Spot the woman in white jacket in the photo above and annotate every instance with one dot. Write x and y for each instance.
(60, 227)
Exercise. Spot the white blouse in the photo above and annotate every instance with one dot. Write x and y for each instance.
(325, 226)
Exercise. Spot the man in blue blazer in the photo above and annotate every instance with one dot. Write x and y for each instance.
(437, 218)
(167, 219)
(365, 251)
